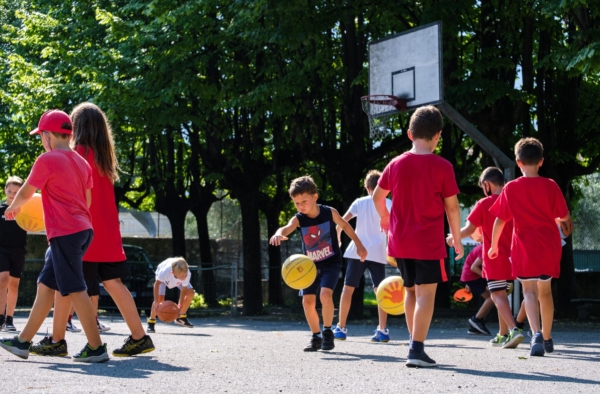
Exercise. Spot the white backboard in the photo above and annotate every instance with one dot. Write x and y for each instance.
(408, 65)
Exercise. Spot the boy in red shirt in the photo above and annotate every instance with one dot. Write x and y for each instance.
(534, 203)
(423, 189)
(65, 180)
(497, 272)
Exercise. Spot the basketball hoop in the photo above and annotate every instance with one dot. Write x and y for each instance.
(380, 109)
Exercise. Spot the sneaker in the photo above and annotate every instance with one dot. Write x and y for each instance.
(415, 359)
(499, 340)
(381, 335)
(315, 343)
(72, 327)
(519, 325)
(515, 336)
(549, 346)
(132, 347)
(479, 325)
(340, 333)
(150, 328)
(2, 320)
(183, 321)
(327, 340)
(89, 355)
(16, 346)
(102, 327)
(45, 347)
(474, 331)
(537, 345)
(9, 326)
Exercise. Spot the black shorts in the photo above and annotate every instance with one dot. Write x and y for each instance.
(356, 269)
(477, 286)
(13, 261)
(422, 272)
(94, 273)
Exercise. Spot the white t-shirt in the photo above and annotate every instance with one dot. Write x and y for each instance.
(164, 273)
(368, 230)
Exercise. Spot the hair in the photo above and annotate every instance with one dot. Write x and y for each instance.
(426, 122)
(371, 179)
(14, 180)
(91, 130)
(178, 264)
(304, 184)
(61, 136)
(529, 151)
(493, 175)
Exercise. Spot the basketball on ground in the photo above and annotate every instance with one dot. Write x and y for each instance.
(298, 271)
(167, 311)
(31, 216)
(390, 295)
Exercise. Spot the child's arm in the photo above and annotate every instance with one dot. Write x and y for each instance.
(23, 195)
(338, 229)
(282, 232)
(341, 222)
(464, 232)
(497, 230)
(476, 266)
(566, 225)
(379, 196)
(88, 197)
(453, 214)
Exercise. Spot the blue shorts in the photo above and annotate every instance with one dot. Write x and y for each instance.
(356, 269)
(162, 288)
(62, 269)
(422, 272)
(327, 276)
(477, 286)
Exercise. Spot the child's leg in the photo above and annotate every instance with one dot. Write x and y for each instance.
(185, 299)
(546, 307)
(425, 299)
(126, 306)
(498, 290)
(41, 307)
(13, 294)
(522, 315)
(410, 303)
(87, 317)
(532, 306)
(309, 303)
(327, 306)
(345, 303)
(62, 307)
(502, 325)
(3, 290)
(382, 315)
(486, 307)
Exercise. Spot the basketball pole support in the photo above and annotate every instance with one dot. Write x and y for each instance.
(500, 159)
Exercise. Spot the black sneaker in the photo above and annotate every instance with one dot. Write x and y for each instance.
(132, 347)
(415, 359)
(89, 355)
(2, 320)
(45, 347)
(16, 346)
(9, 326)
(183, 321)
(328, 342)
(150, 328)
(474, 331)
(549, 346)
(479, 325)
(314, 344)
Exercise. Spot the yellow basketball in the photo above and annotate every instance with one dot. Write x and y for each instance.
(390, 295)
(298, 271)
(391, 261)
(31, 216)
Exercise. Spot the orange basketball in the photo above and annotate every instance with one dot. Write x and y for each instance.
(167, 311)
(31, 216)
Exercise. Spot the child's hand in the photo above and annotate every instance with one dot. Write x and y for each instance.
(459, 250)
(467, 288)
(493, 252)
(362, 252)
(450, 240)
(11, 212)
(276, 239)
(384, 223)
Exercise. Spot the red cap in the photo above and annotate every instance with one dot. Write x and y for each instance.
(54, 120)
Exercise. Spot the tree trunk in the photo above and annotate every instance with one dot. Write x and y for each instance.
(253, 296)
(275, 287)
(206, 260)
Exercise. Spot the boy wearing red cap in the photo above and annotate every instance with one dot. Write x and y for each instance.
(65, 179)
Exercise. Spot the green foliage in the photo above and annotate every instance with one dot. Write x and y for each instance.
(586, 214)
(198, 301)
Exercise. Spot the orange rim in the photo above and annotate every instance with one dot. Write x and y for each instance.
(463, 295)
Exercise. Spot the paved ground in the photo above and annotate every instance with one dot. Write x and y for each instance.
(265, 355)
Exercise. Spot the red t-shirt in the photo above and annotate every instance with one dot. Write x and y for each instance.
(533, 204)
(63, 177)
(419, 184)
(106, 247)
(499, 268)
(467, 275)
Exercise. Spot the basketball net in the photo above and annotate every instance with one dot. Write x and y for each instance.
(381, 110)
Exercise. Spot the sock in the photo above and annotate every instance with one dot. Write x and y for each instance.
(182, 316)
(70, 317)
(326, 328)
(317, 334)
(417, 347)
(548, 341)
(151, 321)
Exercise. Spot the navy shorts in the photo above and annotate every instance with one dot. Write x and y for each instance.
(94, 273)
(422, 272)
(477, 286)
(13, 261)
(356, 269)
(328, 275)
(63, 266)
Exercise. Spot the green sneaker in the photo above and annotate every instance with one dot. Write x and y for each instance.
(132, 347)
(498, 340)
(45, 347)
(16, 346)
(515, 336)
(89, 355)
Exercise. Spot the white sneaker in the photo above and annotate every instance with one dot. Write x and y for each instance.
(72, 327)
(102, 327)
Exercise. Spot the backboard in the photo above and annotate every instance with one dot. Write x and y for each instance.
(408, 65)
